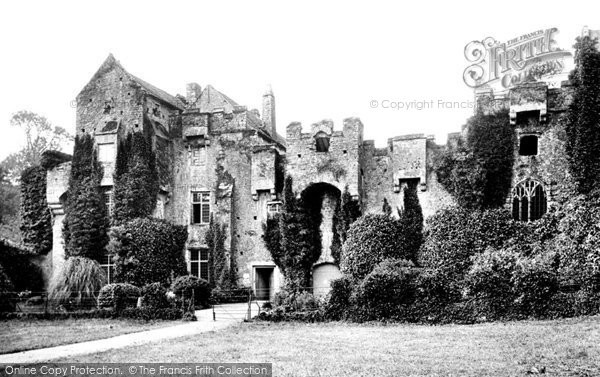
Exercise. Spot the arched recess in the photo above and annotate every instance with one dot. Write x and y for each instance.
(323, 275)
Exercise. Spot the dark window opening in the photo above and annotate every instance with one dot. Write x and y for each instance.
(299, 155)
(528, 145)
(528, 117)
(107, 108)
(322, 142)
(529, 201)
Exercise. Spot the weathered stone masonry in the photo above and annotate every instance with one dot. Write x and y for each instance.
(215, 157)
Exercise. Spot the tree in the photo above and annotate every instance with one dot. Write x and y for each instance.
(350, 212)
(9, 197)
(411, 220)
(136, 179)
(40, 136)
(479, 173)
(583, 117)
(300, 245)
(86, 221)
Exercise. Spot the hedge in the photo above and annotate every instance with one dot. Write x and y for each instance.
(148, 250)
(118, 296)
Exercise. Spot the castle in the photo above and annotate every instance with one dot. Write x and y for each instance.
(216, 157)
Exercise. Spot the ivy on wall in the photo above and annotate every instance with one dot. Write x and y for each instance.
(36, 221)
(478, 172)
(86, 221)
(298, 245)
(347, 212)
(583, 117)
(135, 180)
(219, 270)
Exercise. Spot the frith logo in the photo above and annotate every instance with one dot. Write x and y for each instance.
(530, 57)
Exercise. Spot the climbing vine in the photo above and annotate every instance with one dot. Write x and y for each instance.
(36, 222)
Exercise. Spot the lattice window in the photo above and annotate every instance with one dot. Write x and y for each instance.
(108, 265)
(199, 263)
(198, 155)
(273, 208)
(108, 201)
(200, 207)
(529, 201)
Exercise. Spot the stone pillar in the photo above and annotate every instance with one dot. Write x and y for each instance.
(268, 115)
(58, 247)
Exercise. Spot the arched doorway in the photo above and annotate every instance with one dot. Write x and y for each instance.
(325, 198)
(322, 276)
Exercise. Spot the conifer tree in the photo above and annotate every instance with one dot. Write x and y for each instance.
(411, 220)
(583, 117)
(85, 223)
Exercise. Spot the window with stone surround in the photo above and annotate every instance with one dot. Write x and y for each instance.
(199, 263)
(200, 207)
(273, 208)
(528, 145)
(106, 152)
(529, 200)
(108, 265)
(108, 201)
(198, 155)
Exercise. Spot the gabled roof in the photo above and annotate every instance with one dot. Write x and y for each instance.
(112, 63)
(211, 99)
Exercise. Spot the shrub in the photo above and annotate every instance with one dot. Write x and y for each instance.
(77, 283)
(24, 274)
(36, 222)
(183, 287)
(384, 291)
(412, 222)
(371, 240)
(490, 279)
(534, 282)
(118, 296)
(339, 298)
(154, 296)
(148, 250)
(454, 235)
(6, 293)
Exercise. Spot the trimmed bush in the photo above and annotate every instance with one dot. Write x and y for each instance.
(183, 287)
(339, 298)
(118, 296)
(384, 291)
(77, 283)
(371, 240)
(148, 250)
(154, 296)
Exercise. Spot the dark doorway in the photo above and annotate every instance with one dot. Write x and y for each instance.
(263, 282)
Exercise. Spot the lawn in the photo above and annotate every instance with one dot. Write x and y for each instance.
(26, 334)
(565, 348)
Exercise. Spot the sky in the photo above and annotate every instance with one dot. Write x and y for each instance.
(324, 60)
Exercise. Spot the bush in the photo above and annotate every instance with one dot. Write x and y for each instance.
(77, 283)
(339, 298)
(534, 281)
(118, 296)
(295, 301)
(490, 279)
(371, 240)
(24, 275)
(454, 235)
(148, 250)
(6, 293)
(154, 296)
(183, 287)
(384, 291)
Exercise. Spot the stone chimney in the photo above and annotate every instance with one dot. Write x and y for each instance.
(268, 113)
(193, 92)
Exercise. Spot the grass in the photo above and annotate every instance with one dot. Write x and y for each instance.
(564, 347)
(26, 334)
